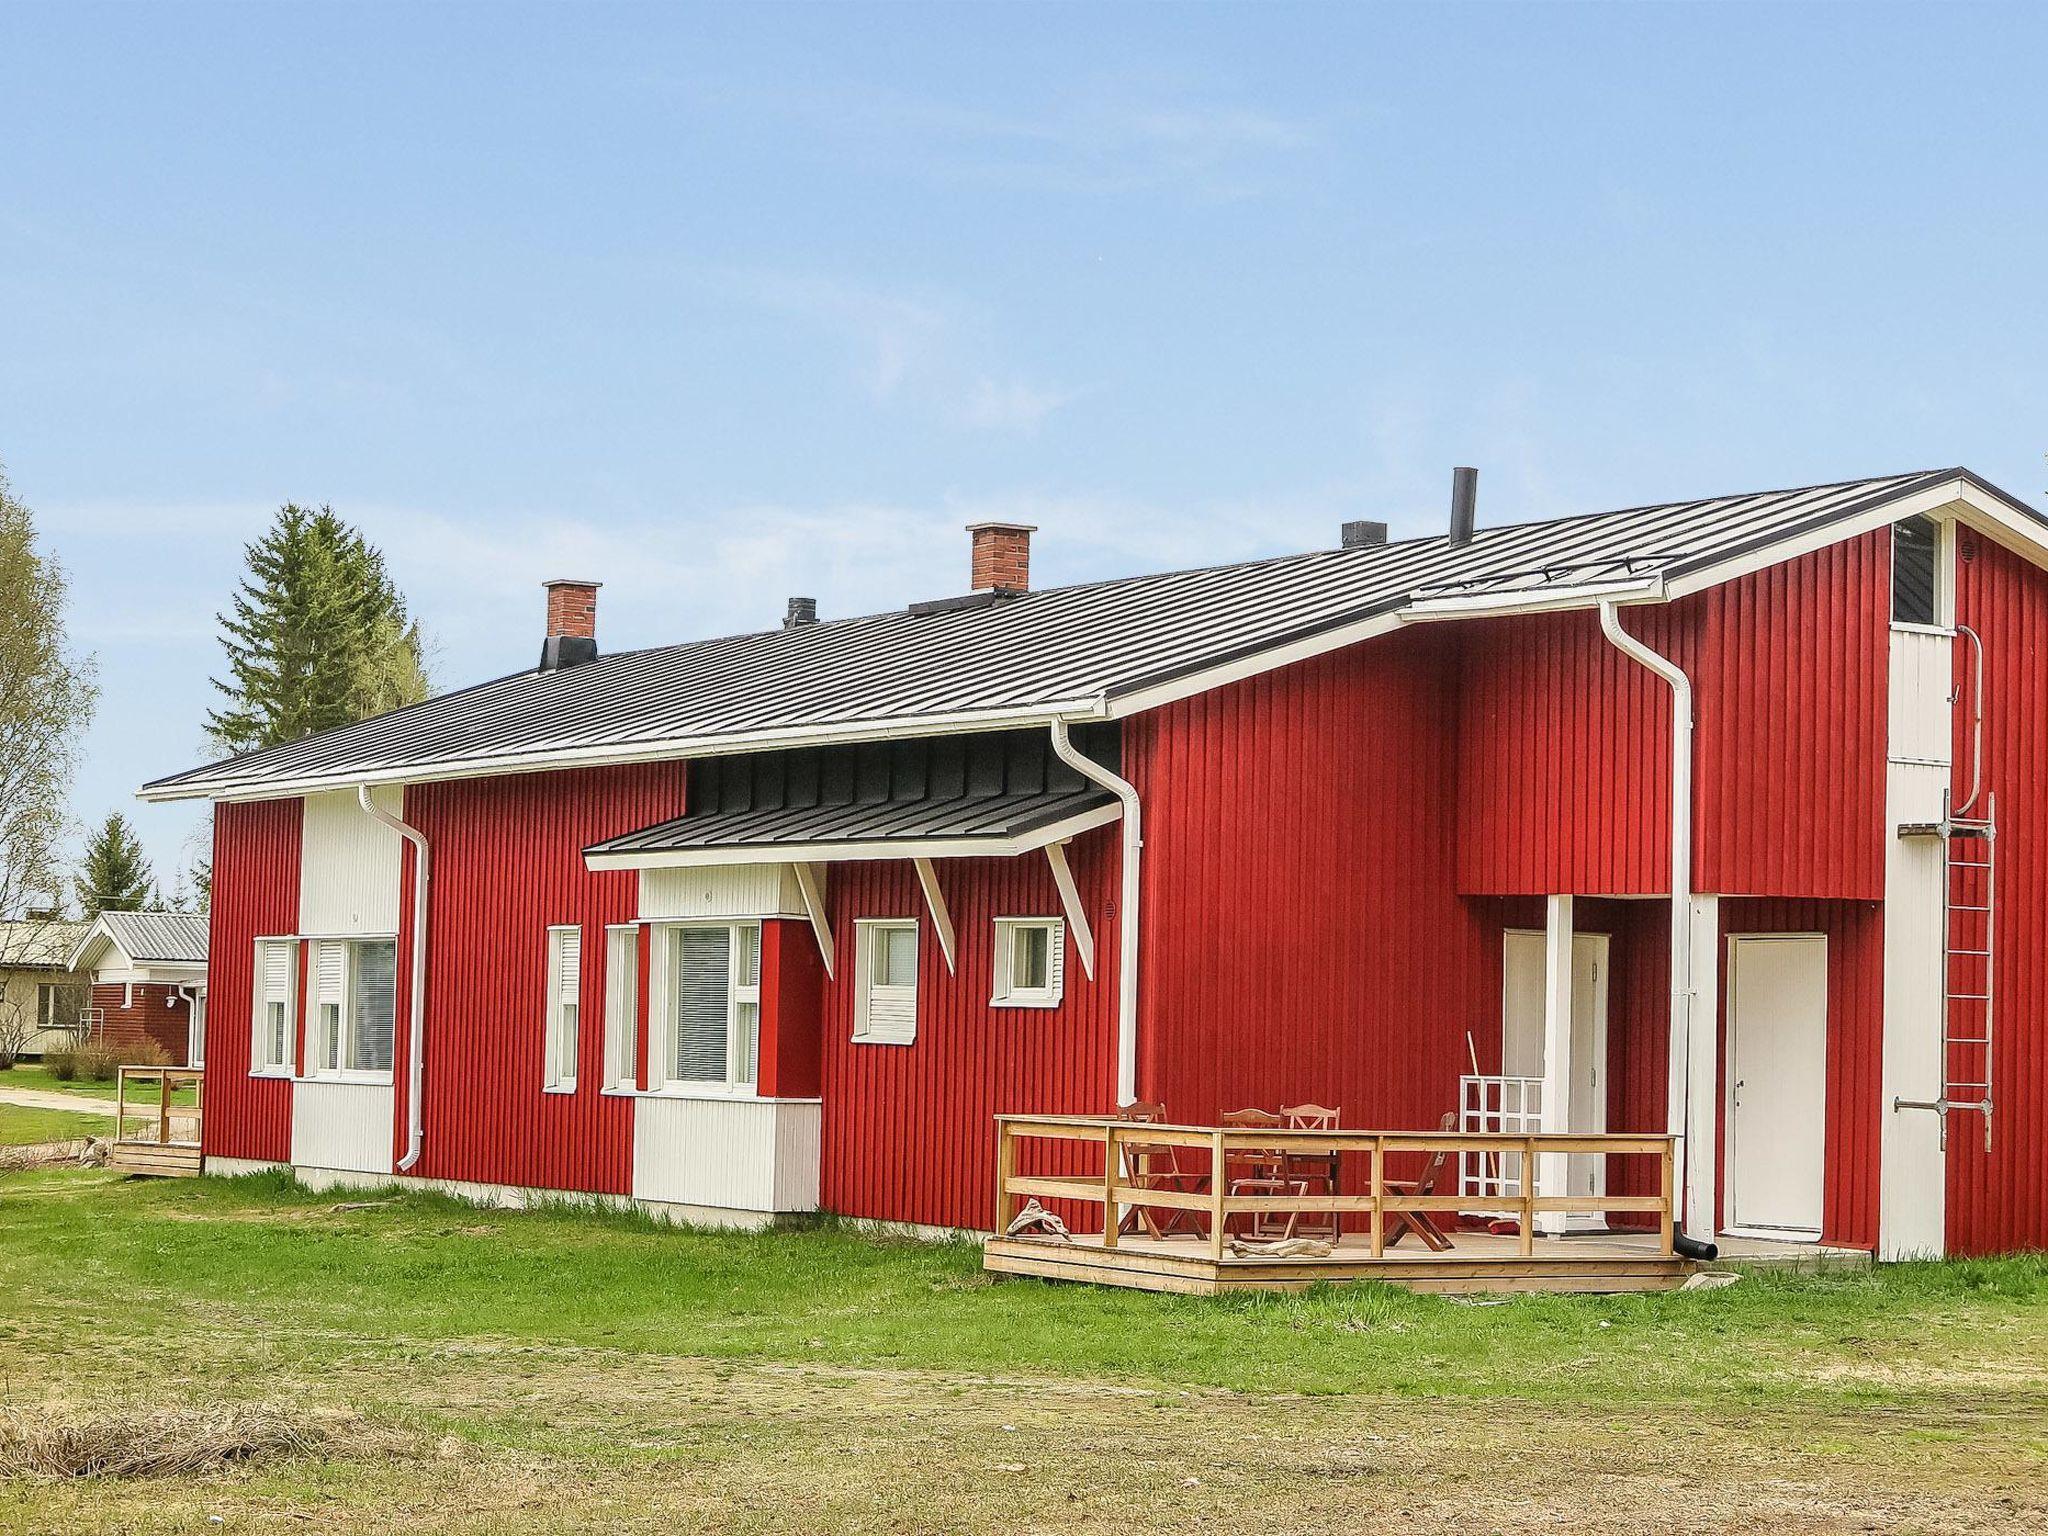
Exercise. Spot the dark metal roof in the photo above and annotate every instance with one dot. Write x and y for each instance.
(1062, 650)
(994, 818)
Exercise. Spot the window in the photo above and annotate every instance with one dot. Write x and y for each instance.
(354, 1006)
(564, 1007)
(1030, 962)
(59, 1004)
(621, 1005)
(1919, 576)
(885, 1008)
(712, 985)
(273, 1038)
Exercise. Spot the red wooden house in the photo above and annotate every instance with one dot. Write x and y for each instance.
(148, 977)
(1725, 818)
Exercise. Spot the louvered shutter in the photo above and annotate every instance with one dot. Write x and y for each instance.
(569, 965)
(277, 973)
(701, 980)
(1056, 958)
(329, 965)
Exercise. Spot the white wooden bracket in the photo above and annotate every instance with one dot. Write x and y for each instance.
(810, 881)
(1070, 899)
(942, 919)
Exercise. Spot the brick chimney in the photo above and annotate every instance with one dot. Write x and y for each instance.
(572, 624)
(1002, 556)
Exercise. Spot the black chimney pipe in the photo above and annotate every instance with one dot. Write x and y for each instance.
(1464, 504)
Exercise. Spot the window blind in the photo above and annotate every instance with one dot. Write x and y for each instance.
(374, 1006)
(700, 977)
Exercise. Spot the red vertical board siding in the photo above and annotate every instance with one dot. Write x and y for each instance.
(909, 1132)
(1303, 937)
(255, 893)
(138, 1013)
(1564, 743)
(792, 1000)
(1855, 1053)
(506, 864)
(1998, 1200)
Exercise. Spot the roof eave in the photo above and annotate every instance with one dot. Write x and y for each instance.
(860, 850)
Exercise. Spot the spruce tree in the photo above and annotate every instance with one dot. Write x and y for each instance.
(317, 636)
(114, 875)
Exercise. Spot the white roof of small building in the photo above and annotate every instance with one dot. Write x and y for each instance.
(171, 942)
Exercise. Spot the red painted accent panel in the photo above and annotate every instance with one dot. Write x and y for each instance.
(255, 894)
(1564, 743)
(643, 960)
(1855, 1053)
(1303, 936)
(507, 862)
(909, 1131)
(792, 1004)
(1998, 1201)
(156, 1014)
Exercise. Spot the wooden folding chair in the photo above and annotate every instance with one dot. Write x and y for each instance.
(1260, 1171)
(1422, 1223)
(1149, 1165)
(1314, 1169)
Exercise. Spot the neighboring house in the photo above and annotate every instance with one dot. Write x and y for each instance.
(148, 973)
(39, 992)
(782, 920)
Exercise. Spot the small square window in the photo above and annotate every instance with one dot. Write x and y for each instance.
(1030, 962)
(885, 1009)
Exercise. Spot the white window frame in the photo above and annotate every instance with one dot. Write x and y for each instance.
(345, 1020)
(260, 1064)
(1007, 993)
(558, 1074)
(1944, 579)
(621, 1008)
(865, 1032)
(661, 1043)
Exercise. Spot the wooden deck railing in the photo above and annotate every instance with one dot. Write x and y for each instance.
(155, 1107)
(1110, 1190)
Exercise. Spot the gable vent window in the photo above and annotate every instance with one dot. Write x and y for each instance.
(273, 1039)
(885, 1008)
(1030, 962)
(710, 982)
(1919, 574)
(565, 1007)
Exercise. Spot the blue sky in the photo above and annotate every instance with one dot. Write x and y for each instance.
(723, 304)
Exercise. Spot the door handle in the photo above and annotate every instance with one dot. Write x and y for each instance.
(1738, 1093)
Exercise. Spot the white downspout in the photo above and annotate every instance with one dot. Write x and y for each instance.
(415, 1069)
(1127, 909)
(1697, 1223)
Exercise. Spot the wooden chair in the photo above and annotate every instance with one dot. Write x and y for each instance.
(1422, 1223)
(1261, 1171)
(1149, 1165)
(1316, 1172)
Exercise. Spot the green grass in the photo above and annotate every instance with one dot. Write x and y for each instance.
(22, 1127)
(29, 1074)
(567, 1368)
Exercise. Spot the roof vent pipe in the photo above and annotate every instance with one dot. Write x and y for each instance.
(802, 610)
(1364, 535)
(1464, 504)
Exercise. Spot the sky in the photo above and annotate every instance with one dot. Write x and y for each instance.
(718, 305)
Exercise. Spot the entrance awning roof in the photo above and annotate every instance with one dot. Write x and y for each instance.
(975, 826)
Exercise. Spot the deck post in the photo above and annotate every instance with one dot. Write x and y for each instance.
(1110, 1220)
(120, 1103)
(163, 1107)
(1219, 1185)
(1668, 1186)
(1379, 1196)
(1528, 1221)
(1006, 1168)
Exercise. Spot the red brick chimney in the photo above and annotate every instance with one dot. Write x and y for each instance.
(1002, 556)
(572, 624)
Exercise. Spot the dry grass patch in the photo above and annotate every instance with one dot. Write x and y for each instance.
(177, 1442)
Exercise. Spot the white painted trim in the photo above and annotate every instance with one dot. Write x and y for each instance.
(416, 1014)
(1070, 902)
(810, 881)
(860, 850)
(942, 917)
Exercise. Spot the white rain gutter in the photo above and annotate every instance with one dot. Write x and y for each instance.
(415, 1069)
(1680, 1076)
(1127, 906)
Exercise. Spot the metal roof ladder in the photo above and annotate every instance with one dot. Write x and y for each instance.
(1969, 921)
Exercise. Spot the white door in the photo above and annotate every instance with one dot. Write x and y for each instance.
(1521, 1045)
(1777, 1081)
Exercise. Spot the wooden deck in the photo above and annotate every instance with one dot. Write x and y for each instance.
(1478, 1262)
(154, 1136)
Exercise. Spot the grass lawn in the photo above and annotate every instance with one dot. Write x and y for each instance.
(29, 1074)
(21, 1127)
(489, 1371)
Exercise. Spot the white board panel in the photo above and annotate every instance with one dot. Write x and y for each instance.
(739, 890)
(737, 1154)
(349, 865)
(342, 1125)
(1922, 679)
